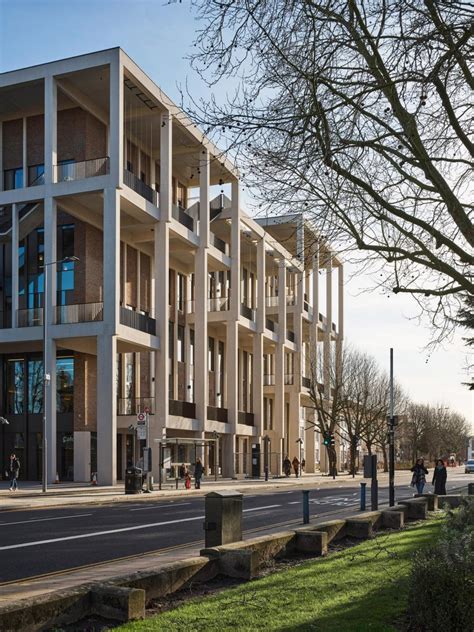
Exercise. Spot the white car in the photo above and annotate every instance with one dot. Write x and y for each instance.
(469, 466)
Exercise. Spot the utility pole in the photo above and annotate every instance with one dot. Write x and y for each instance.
(391, 441)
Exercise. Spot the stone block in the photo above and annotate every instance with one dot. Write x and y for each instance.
(417, 508)
(470, 489)
(336, 529)
(393, 519)
(359, 528)
(451, 501)
(432, 500)
(310, 541)
(118, 602)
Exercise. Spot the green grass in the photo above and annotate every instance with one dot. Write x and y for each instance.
(361, 588)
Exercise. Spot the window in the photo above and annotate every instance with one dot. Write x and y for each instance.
(15, 387)
(191, 346)
(36, 175)
(180, 344)
(65, 385)
(35, 386)
(129, 375)
(12, 179)
(210, 361)
(181, 289)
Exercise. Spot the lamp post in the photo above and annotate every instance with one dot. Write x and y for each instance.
(46, 375)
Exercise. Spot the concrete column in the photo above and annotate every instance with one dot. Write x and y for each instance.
(279, 410)
(116, 122)
(309, 448)
(261, 275)
(50, 256)
(188, 367)
(298, 325)
(327, 333)
(25, 154)
(282, 301)
(166, 166)
(232, 348)
(106, 410)
(257, 382)
(340, 324)
(201, 376)
(82, 457)
(50, 128)
(235, 252)
(111, 237)
(162, 315)
(294, 425)
(50, 408)
(14, 264)
(313, 355)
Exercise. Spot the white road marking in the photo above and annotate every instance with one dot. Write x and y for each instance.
(295, 502)
(161, 507)
(7, 524)
(259, 508)
(97, 533)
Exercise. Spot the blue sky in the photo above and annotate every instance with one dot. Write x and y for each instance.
(158, 36)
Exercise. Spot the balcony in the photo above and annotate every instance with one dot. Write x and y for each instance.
(247, 419)
(290, 335)
(140, 187)
(217, 414)
(270, 324)
(271, 301)
(135, 320)
(31, 317)
(135, 405)
(269, 379)
(306, 382)
(247, 312)
(79, 313)
(68, 171)
(218, 243)
(180, 215)
(289, 379)
(182, 409)
(5, 320)
(218, 304)
(290, 299)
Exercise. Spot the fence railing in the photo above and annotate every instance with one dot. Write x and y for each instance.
(289, 379)
(247, 312)
(135, 405)
(218, 304)
(219, 243)
(182, 409)
(269, 379)
(290, 335)
(248, 419)
(270, 324)
(290, 299)
(180, 215)
(217, 414)
(271, 301)
(306, 382)
(83, 169)
(142, 322)
(30, 317)
(140, 187)
(79, 313)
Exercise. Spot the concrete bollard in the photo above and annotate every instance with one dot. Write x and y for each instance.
(223, 518)
(116, 602)
(363, 491)
(315, 542)
(470, 489)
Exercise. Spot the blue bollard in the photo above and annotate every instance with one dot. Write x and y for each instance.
(305, 506)
(362, 496)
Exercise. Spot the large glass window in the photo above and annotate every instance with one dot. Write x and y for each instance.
(129, 375)
(36, 174)
(12, 179)
(35, 386)
(15, 386)
(65, 385)
(180, 344)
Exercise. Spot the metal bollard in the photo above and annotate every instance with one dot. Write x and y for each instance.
(266, 472)
(305, 506)
(363, 489)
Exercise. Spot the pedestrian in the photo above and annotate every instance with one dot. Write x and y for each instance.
(303, 465)
(198, 472)
(187, 480)
(14, 472)
(296, 466)
(286, 466)
(419, 475)
(439, 478)
(182, 470)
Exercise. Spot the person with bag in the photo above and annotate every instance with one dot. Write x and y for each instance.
(440, 476)
(14, 472)
(419, 475)
(198, 472)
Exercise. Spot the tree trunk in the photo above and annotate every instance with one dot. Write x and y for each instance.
(332, 459)
(369, 447)
(353, 456)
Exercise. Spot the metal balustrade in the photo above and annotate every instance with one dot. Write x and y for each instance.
(306, 382)
(79, 313)
(248, 419)
(289, 379)
(219, 243)
(290, 299)
(217, 414)
(182, 409)
(180, 215)
(80, 170)
(269, 379)
(290, 335)
(135, 405)
(247, 312)
(270, 324)
(218, 304)
(30, 317)
(135, 320)
(140, 187)
(271, 301)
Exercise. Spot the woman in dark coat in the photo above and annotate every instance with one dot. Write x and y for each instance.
(439, 478)
(419, 475)
(198, 472)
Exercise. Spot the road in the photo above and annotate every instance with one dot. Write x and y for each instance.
(42, 541)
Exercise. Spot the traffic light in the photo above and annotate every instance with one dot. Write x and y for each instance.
(327, 439)
(333, 440)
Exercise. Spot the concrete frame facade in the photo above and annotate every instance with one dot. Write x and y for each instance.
(252, 286)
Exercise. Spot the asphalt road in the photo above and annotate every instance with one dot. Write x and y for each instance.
(41, 541)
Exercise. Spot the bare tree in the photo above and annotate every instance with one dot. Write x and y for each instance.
(359, 112)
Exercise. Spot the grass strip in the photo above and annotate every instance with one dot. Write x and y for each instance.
(355, 590)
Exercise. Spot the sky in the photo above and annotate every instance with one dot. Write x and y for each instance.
(158, 35)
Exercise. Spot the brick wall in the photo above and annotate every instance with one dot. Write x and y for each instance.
(88, 246)
(145, 283)
(13, 144)
(85, 390)
(35, 140)
(131, 279)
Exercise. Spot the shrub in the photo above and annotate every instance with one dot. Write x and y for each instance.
(441, 592)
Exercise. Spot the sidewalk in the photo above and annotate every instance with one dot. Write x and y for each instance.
(30, 496)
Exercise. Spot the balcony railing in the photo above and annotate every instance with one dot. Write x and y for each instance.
(306, 382)
(135, 405)
(182, 409)
(247, 312)
(140, 187)
(217, 414)
(271, 301)
(80, 170)
(269, 379)
(270, 324)
(218, 304)
(5, 320)
(31, 317)
(290, 335)
(180, 215)
(289, 379)
(135, 320)
(79, 313)
(219, 243)
(290, 299)
(248, 419)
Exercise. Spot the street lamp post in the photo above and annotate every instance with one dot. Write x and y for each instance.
(46, 375)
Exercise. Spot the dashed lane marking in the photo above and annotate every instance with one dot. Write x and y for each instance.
(7, 524)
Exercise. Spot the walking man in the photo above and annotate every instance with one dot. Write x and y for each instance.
(14, 472)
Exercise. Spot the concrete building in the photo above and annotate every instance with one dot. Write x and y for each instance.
(179, 305)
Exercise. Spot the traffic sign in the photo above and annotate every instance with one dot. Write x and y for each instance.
(141, 433)
(141, 418)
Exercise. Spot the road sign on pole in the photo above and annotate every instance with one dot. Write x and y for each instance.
(141, 418)
(141, 432)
